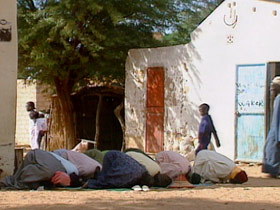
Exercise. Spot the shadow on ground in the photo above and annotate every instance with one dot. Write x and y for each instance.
(162, 204)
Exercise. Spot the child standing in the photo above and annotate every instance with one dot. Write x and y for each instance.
(206, 128)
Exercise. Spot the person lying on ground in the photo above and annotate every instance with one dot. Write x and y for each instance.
(174, 165)
(151, 166)
(122, 171)
(138, 150)
(217, 168)
(95, 154)
(38, 168)
(85, 165)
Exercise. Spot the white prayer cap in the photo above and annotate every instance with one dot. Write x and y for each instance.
(276, 80)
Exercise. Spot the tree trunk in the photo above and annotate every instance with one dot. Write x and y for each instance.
(63, 89)
(117, 113)
(97, 121)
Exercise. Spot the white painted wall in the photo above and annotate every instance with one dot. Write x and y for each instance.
(179, 110)
(211, 68)
(255, 40)
(8, 72)
(25, 93)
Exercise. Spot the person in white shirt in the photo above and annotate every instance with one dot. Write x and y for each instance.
(217, 168)
(38, 129)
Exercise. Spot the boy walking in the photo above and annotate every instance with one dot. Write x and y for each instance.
(206, 128)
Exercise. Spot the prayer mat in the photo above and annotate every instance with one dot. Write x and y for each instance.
(181, 184)
(88, 189)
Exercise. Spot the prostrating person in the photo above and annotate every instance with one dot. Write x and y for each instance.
(37, 169)
(174, 165)
(85, 165)
(151, 166)
(122, 171)
(217, 168)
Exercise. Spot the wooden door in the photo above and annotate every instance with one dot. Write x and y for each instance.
(155, 110)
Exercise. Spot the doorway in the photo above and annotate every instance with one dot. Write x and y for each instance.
(250, 120)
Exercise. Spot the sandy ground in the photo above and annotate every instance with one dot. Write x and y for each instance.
(259, 193)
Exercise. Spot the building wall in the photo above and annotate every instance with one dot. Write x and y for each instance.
(180, 116)
(25, 93)
(217, 48)
(8, 72)
(28, 92)
(204, 70)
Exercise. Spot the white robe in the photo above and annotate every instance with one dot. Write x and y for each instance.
(39, 125)
(213, 166)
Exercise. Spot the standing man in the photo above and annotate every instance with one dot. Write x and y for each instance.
(30, 106)
(37, 125)
(272, 146)
(38, 129)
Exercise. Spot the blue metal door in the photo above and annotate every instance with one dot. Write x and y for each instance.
(250, 112)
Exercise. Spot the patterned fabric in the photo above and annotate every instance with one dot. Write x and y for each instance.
(119, 171)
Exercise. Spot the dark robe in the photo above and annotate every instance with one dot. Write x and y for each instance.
(271, 150)
(204, 133)
(119, 171)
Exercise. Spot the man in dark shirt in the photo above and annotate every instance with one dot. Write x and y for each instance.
(206, 128)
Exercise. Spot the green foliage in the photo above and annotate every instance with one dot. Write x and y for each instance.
(75, 40)
(192, 14)
(67, 43)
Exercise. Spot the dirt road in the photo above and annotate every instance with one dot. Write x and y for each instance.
(259, 193)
